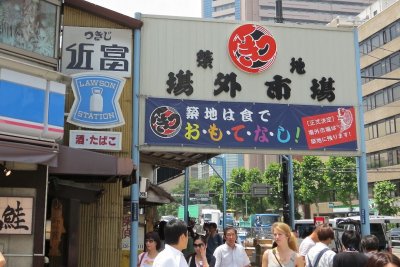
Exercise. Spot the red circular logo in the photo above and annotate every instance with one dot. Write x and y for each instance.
(252, 48)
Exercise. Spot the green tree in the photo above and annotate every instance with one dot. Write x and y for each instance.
(196, 186)
(272, 177)
(312, 186)
(241, 181)
(384, 198)
(215, 188)
(342, 177)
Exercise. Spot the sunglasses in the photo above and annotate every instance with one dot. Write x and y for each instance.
(149, 240)
(198, 245)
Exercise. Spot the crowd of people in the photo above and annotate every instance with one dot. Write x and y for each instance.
(211, 250)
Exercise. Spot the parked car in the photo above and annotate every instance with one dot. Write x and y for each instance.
(395, 236)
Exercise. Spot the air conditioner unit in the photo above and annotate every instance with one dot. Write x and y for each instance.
(143, 186)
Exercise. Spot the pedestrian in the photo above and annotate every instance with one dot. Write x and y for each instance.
(160, 230)
(176, 239)
(308, 242)
(152, 246)
(199, 258)
(206, 228)
(369, 244)
(189, 249)
(383, 259)
(214, 240)
(2, 260)
(231, 254)
(321, 255)
(350, 257)
(285, 252)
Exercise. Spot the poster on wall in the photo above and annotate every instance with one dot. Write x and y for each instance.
(17, 214)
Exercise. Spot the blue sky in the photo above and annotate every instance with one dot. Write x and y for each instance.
(185, 8)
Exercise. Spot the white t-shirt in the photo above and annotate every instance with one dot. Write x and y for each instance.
(170, 257)
(306, 245)
(326, 259)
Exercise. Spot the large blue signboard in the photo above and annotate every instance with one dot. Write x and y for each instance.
(193, 123)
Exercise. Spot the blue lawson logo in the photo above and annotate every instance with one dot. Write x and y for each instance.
(96, 101)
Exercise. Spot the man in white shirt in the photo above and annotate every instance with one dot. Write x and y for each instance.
(308, 243)
(176, 239)
(231, 254)
(321, 255)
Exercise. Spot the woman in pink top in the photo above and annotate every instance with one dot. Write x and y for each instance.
(152, 245)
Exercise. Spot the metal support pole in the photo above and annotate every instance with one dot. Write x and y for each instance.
(285, 189)
(291, 192)
(135, 147)
(224, 191)
(362, 178)
(223, 178)
(186, 197)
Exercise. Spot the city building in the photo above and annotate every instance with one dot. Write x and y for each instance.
(303, 12)
(379, 42)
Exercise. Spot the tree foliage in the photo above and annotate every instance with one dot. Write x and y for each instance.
(312, 184)
(384, 198)
(342, 177)
(314, 181)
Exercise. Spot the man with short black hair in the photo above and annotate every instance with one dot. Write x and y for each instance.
(213, 240)
(350, 257)
(321, 255)
(176, 239)
(369, 244)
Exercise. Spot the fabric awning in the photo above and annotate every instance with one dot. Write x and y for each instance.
(19, 149)
(73, 161)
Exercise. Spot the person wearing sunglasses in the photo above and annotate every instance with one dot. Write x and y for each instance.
(199, 257)
(152, 246)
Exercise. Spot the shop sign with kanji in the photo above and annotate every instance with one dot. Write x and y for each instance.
(97, 140)
(106, 50)
(217, 84)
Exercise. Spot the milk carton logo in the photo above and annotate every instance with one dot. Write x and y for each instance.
(96, 101)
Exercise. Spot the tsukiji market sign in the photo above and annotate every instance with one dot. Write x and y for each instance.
(230, 87)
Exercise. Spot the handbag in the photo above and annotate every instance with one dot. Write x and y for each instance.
(141, 258)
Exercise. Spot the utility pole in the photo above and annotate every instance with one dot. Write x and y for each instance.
(285, 189)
